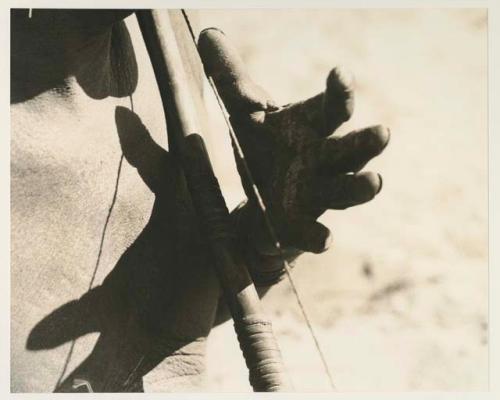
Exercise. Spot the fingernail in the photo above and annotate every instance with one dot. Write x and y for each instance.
(342, 76)
(388, 138)
(380, 184)
(210, 29)
(379, 137)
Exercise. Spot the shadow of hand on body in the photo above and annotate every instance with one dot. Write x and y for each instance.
(160, 296)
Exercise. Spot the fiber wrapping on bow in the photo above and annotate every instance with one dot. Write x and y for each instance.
(254, 331)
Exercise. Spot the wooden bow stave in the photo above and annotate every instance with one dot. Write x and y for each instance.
(254, 330)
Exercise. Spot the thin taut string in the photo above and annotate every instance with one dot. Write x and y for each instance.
(263, 208)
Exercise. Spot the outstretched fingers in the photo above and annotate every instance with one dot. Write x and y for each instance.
(352, 152)
(328, 110)
(347, 190)
(338, 100)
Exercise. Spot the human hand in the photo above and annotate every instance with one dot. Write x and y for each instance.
(300, 168)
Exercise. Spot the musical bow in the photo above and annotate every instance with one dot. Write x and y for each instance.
(254, 330)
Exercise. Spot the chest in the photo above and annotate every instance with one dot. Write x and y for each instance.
(76, 204)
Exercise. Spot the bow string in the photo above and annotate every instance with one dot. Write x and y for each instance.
(262, 206)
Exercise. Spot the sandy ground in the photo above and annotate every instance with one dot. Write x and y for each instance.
(400, 300)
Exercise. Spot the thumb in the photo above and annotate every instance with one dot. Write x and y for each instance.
(224, 65)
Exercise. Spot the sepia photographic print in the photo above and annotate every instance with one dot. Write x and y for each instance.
(227, 200)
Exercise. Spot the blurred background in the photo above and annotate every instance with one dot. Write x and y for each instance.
(399, 301)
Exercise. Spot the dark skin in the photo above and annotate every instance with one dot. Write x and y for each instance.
(299, 167)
